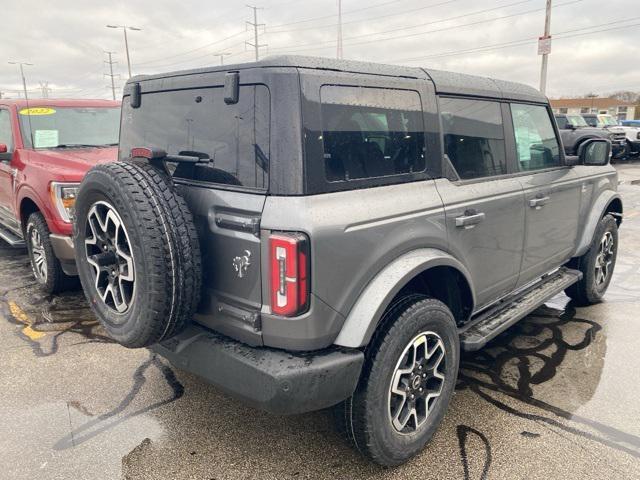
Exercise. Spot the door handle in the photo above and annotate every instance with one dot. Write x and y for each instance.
(470, 219)
(538, 202)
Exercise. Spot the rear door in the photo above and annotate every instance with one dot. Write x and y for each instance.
(226, 195)
(552, 192)
(484, 207)
(7, 214)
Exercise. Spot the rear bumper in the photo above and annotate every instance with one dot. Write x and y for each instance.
(273, 380)
(63, 249)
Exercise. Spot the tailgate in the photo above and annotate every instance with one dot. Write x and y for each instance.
(228, 225)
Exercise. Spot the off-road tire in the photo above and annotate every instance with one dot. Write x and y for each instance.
(164, 245)
(363, 419)
(54, 280)
(586, 291)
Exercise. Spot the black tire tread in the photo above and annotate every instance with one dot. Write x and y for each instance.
(171, 247)
(57, 280)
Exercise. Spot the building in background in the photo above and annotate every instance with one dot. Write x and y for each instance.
(620, 109)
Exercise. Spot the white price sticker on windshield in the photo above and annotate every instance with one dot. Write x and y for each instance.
(45, 138)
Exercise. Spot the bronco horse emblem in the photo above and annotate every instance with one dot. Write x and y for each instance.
(242, 263)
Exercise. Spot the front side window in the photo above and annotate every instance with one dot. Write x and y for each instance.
(66, 127)
(5, 129)
(591, 120)
(371, 132)
(473, 137)
(198, 122)
(536, 142)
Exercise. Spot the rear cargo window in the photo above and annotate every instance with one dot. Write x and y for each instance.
(197, 122)
(371, 132)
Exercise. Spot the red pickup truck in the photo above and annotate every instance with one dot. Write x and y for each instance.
(46, 147)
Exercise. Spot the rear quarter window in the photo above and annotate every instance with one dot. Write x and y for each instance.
(198, 122)
(368, 136)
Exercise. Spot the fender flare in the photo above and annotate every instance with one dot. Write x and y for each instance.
(365, 315)
(26, 192)
(600, 206)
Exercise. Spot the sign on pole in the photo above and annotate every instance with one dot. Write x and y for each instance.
(544, 45)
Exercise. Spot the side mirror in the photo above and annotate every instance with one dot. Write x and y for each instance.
(594, 152)
(5, 155)
(570, 126)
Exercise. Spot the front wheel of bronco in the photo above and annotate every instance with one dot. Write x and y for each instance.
(407, 382)
(596, 264)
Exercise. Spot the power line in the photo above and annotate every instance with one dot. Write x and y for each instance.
(433, 22)
(443, 29)
(523, 41)
(202, 47)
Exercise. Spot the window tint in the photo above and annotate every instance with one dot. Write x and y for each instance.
(371, 132)
(562, 122)
(199, 123)
(473, 137)
(536, 143)
(5, 129)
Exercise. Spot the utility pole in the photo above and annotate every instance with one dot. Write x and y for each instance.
(126, 41)
(221, 55)
(111, 75)
(24, 82)
(339, 52)
(255, 26)
(544, 48)
(44, 86)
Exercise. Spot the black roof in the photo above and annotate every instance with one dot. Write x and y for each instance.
(444, 82)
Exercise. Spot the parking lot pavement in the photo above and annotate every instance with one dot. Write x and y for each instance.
(554, 397)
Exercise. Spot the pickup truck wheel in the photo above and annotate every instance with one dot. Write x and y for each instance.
(596, 264)
(137, 252)
(44, 264)
(407, 382)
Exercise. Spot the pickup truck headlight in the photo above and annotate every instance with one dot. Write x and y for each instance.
(63, 196)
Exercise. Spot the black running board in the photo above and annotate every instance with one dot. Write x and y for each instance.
(490, 324)
(11, 238)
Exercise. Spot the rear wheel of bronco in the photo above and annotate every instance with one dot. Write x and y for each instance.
(596, 265)
(44, 264)
(137, 252)
(407, 382)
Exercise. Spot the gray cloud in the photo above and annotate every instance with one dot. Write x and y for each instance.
(596, 43)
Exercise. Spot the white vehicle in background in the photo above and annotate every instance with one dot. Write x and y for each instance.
(632, 134)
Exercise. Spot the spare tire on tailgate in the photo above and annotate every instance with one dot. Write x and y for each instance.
(137, 252)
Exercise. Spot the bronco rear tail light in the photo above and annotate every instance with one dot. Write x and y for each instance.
(289, 270)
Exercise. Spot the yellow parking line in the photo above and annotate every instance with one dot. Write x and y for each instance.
(21, 316)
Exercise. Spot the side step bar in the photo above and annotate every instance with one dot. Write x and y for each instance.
(495, 321)
(11, 238)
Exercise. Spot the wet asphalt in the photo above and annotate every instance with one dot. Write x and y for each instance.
(556, 396)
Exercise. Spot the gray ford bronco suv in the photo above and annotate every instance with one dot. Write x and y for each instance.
(309, 233)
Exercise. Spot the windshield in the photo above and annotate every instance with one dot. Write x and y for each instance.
(576, 121)
(607, 120)
(67, 127)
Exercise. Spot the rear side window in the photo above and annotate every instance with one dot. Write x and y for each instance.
(562, 122)
(371, 132)
(536, 143)
(473, 137)
(197, 122)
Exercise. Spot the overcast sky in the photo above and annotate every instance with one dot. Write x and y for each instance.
(596, 42)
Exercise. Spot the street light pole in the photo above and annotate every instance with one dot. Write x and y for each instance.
(24, 82)
(126, 41)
